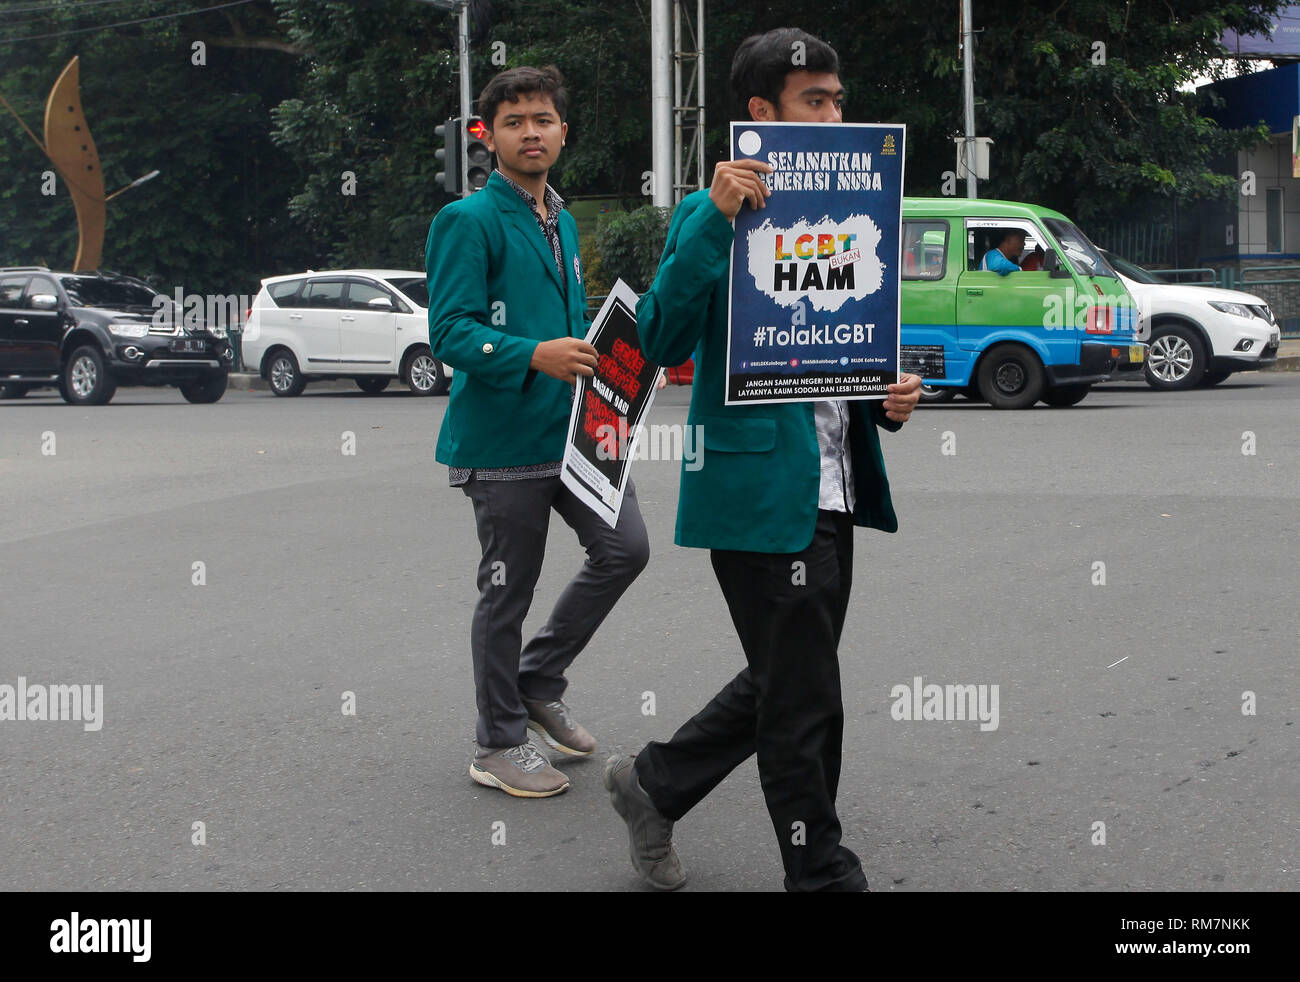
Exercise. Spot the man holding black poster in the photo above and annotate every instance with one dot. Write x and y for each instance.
(507, 310)
(782, 486)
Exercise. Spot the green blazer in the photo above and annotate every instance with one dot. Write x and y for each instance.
(493, 295)
(756, 485)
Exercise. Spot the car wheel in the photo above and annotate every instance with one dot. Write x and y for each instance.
(371, 385)
(1175, 359)
(424, 375)
(1010, 377)
(86, 381)
(933, 393)
(283, 375)
(12, 390)
(1213, 378)
(1066, 395)
(208, 389)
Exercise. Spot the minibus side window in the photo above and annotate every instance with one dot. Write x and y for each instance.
(985, 235)
(925, 250)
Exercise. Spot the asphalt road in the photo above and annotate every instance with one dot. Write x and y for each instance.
(327, 573)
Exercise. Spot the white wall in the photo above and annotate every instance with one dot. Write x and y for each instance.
(1271, 163)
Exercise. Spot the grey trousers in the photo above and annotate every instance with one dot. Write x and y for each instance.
(513, 518)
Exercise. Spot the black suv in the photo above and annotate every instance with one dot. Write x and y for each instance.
(88, 333)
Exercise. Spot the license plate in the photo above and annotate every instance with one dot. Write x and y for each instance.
(1137, 354)
(189, 344)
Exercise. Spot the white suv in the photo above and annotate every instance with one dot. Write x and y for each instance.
(1199, 334)
(371, 325)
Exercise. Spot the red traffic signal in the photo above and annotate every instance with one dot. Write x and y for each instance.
(478, 158)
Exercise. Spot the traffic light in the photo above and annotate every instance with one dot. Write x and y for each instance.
(449, 155)
(478, 158)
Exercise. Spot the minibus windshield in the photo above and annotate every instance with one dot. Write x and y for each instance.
(1083, 254)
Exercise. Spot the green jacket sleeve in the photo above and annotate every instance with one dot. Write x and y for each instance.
(884, 422)
(673, 314)
(456, 263)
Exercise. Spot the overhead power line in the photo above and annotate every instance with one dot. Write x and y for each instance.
(125, 23)
(46, 7)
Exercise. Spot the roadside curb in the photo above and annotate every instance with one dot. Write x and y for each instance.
(1289, 364)
(252, 382)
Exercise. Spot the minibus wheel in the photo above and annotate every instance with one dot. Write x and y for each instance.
(1066, 395)
(934, 393)
(1010, 377)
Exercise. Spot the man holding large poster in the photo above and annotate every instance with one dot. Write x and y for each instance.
(782, 486)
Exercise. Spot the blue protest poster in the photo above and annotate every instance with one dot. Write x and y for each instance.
(814, 274)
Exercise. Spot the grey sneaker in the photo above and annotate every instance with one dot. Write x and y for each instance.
(520, 771)
(551, 721)
(650, 834)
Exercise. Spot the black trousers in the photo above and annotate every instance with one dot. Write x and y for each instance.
(785, 705)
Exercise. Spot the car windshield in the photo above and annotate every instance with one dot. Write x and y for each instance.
(414, 289)
(92, 291)
(1082, 253)
(1131, 270)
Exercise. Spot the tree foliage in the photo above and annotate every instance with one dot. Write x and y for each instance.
(214, 220)
(302, 101)
(630, 244)
(1089, 138)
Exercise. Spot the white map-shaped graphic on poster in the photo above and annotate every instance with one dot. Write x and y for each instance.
(797, 263)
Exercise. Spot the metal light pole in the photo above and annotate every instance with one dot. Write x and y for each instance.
(134, 184)
(465, 96)
(968, 85)
(461, 9)
(661, 102)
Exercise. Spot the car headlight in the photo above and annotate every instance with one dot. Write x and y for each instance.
(1236, 309)
(129, 329)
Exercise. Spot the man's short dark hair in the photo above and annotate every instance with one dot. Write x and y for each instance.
(509, 85)
(764, 60)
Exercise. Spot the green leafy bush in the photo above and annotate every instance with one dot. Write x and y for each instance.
(629, 244)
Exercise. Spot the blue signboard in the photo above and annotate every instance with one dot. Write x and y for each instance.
(814, 274)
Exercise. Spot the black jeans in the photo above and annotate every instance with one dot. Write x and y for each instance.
(785, 706)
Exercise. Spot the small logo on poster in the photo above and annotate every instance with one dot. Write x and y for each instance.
(844, 359)
(794, 362)
(889, 149)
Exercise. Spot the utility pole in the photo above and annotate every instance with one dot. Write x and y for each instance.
(465, 95)
(661, 102)
(461, 9)
(968, 84)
